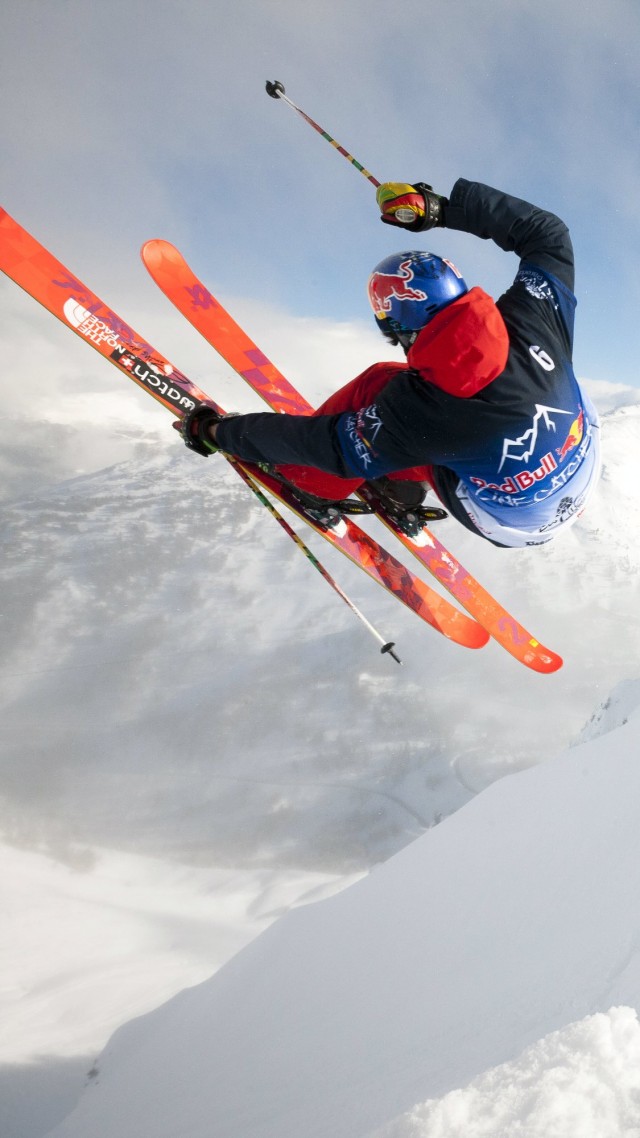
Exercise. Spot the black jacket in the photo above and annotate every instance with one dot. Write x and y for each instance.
(516, 440)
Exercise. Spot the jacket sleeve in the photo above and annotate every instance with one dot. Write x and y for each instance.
(302, 440)
(536, 236)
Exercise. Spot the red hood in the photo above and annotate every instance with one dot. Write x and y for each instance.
(464, 347)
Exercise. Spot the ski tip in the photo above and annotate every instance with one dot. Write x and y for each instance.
(154, 249)
(148, 251)
(544, 661)
(534, 655)
(161, 256)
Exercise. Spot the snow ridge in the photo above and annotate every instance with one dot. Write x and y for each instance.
(513, 921)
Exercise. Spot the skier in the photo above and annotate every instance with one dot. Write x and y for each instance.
(486, 410)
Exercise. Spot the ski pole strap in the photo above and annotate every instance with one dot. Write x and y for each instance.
(276, 90)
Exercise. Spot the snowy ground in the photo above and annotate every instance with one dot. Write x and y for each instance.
(583, 1080)
(185, 754)
(101, 940)
(483, 981)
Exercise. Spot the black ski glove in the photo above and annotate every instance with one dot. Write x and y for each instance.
(414, 207)
(194, 429)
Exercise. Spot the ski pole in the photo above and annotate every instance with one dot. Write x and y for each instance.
(387, 646)
(276, 90)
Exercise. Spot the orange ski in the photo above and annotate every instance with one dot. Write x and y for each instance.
(38, 272)
(171, 272)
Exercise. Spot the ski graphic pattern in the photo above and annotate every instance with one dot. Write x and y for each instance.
(44, 278)
(172, 274)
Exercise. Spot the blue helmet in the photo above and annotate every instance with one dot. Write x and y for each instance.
(406, 290)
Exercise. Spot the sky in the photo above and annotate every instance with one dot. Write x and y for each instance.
(151, 119)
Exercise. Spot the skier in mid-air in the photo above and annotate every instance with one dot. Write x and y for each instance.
(486, 410)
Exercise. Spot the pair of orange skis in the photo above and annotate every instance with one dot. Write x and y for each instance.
(38, 272)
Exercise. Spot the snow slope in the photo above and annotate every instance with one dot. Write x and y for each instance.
(515, 918)
(88, 944)
(121, 932)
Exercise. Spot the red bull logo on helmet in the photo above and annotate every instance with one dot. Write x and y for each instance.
(384, 287)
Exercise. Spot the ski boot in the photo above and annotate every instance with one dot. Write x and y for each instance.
(323, 512)
(328, 514)
(402, 501)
